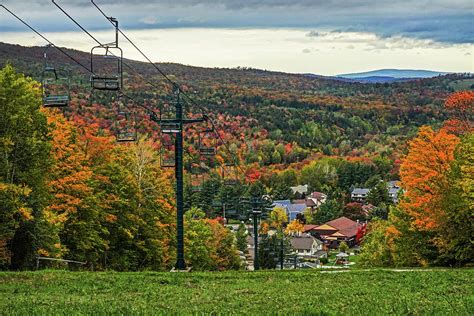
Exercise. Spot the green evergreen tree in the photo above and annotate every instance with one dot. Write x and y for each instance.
(328, 211)
(381, 211)
(282, 192)
(241, 236)
(379, 194)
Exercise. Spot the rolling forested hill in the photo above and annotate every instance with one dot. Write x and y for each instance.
(112, 204)
(271, 119)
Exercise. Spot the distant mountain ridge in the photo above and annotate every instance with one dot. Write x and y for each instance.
(389, 75)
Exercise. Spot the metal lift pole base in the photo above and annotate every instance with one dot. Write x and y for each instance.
(185, 270)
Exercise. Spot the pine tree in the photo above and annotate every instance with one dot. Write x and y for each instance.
(379, 194)
(241, 236)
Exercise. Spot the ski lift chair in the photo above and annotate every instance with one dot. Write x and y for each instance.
(107, 68)
(55, 88)
(126, 130)
(167, 151)
(207, 143)
(229, 173)
(170, 127)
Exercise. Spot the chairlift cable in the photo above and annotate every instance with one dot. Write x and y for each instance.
(43, 37)
(174, 84)
(101, 44)
(148, 109)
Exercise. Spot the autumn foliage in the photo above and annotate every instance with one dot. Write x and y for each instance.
(70, 172)
(461, 106)
(295, 227)
(424, 174)
(432, 225)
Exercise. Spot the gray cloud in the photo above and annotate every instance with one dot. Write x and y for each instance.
(447, 21)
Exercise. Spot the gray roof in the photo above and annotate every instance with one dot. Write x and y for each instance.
(393, 190)
(393, 184)
(303, 243)
(281, 203)
(296, 208)
(360, 191)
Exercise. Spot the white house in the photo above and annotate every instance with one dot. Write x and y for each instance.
(316, 199)
(393, 190)
(359, 194)
(301, 189)
(307, 246)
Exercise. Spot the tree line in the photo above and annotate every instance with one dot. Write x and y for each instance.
(68, 190)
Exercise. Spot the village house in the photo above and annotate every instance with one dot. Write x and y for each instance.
(318, 198)
(291, 209)
(281, 203)
(393, 190)
(295, 207)
(335, 231)
(313, 201)
(302, 190)
(307, 246)
(360, 194)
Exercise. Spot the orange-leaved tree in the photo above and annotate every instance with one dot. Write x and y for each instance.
(461, 106)
(70, 172)
(424, 176)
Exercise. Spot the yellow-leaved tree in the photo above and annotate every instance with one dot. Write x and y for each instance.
(294, 227)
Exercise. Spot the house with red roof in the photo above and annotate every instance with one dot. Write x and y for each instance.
(335, 231)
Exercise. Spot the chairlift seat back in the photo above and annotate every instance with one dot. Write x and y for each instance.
(126, 137)
(56, 101)
(207, 151)
(105, 83)
(106, 66)
(170, 127)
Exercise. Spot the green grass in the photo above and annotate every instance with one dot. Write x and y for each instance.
(357, 292)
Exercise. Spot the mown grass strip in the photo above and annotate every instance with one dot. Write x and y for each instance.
(359, 292)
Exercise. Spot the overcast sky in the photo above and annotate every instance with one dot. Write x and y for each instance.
(314, 36)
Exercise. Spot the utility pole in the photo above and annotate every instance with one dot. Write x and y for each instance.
(256, 264)
(223, 208)
(176, 126)
(180, 263)
(281, 251)
(257, 205)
